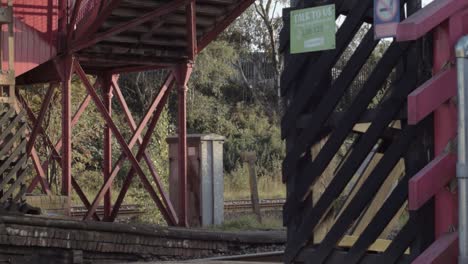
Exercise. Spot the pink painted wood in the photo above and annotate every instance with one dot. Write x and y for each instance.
(443, 251)
(431, 95)
(428, 18)
(431, 180)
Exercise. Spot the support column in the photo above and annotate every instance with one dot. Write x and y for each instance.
(65, 67)
(107, 91)
(182, 74)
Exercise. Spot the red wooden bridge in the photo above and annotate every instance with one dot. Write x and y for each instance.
(49, 41)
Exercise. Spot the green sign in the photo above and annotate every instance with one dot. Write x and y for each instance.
(313, 29)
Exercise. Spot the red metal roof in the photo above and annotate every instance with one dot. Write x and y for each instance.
(119, 35)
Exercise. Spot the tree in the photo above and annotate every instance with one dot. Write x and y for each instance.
(256, 35)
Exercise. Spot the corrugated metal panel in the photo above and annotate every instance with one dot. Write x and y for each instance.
(36, 24)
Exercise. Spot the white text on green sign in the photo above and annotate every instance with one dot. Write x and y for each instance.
(313, 29)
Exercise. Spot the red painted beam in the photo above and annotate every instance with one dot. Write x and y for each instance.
(120, 139)
(36, 126)
(443, 251)
(192, 30)
(182, 75)
(131, 173)
(124, 26)
(157, 106)
(65, 68)
(107, 94)
(430, 180)
(146, 157)
(431, 95)
(428, 18)
(41, 176)
(222, 25)
(56, 154)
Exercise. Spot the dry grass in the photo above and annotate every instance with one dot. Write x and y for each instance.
(236, 186)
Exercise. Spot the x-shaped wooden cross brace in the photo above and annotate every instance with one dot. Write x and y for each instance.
(168, 215)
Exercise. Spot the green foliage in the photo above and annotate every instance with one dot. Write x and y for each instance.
(212, 108)
(214, 69)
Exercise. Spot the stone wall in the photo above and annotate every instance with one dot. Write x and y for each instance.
(23, 239)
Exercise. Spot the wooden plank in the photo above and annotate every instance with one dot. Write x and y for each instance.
(11, 125)
(314, 169)
(380, 245)
(443, 251)
(359, 202)
(326, 106)
(379, 199)
(312, 216)
(386, 213)
(433, 93)
(19, 150)
(399, 245)
(430, 180)
(11, 140)
(18, 181)
(340, 257)
(309, 84)
(426, 19)
(5, 117)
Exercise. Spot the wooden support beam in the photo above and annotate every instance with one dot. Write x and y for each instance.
(122, 142)
(426, 19)
(161, 11)
(432, 179)
(443, 251)
(312, 130)
(431, 95)
(309, 84)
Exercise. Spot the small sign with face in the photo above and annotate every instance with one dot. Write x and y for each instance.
(313, 29)
(386, 18)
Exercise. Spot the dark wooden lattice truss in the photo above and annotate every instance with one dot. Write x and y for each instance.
(13, 160)
(316, 114)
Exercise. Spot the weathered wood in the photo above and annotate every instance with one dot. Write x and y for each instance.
(399, 245)
(251, 158)
(309, 85)
(312, 216)
(340, 257)
(388, 210)
(354, 209)
(314, 169)
(329, 102)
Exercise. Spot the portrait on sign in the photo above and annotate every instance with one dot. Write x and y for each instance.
(386, 18)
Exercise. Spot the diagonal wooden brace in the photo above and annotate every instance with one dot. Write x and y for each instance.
(121, 140)
(55, 152)
(131, 173)
(146, 157)
(157, 104)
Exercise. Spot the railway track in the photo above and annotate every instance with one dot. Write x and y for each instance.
(265, 204)
(126, 211)
(131, 210)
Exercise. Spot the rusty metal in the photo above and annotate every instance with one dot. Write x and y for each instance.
(92, 36)
(182, 74)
